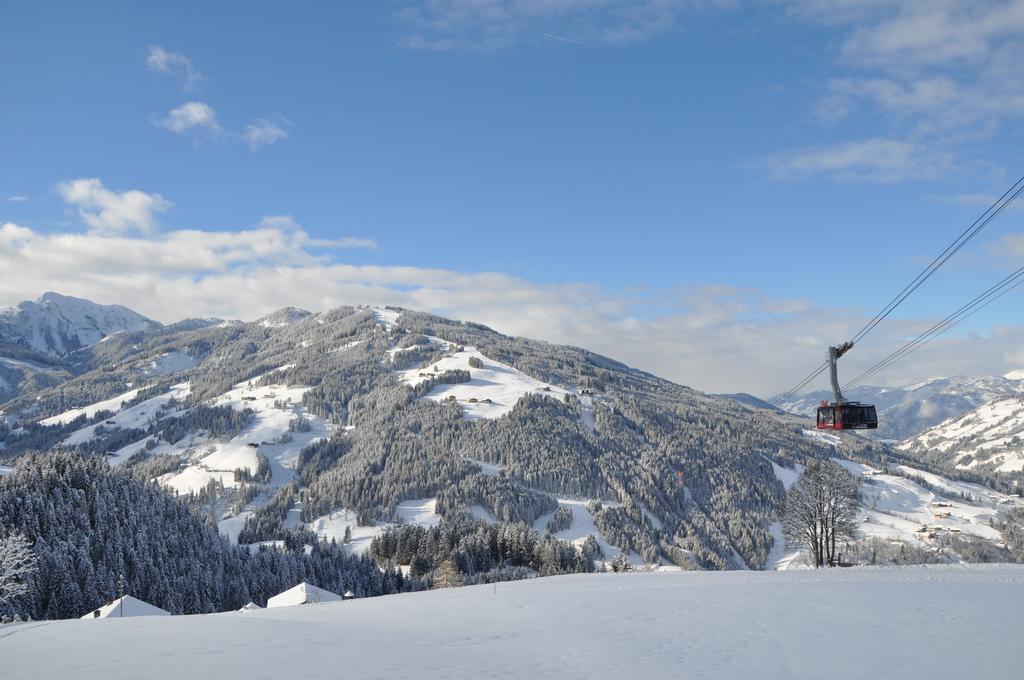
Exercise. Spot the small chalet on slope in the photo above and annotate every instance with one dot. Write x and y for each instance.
(304, 593)
(126, 606)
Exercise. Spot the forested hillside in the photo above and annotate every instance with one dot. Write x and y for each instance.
(98, 531)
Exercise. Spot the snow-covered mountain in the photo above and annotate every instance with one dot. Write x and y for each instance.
(988, 438)
(345, 423)
(907, 411)
(386, 416)
(55, 324)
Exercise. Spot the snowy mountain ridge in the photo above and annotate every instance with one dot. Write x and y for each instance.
(990, 437)
(55, 324)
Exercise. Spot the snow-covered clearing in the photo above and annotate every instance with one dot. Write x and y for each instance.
(346, 346)
(386, 317)
(112, 404)
(276, 406)
(138, 416)
(489, 469)
(172, 362)
(333, 525)
(493, 390)
(780, 557)
(583, 526)
(823, 437)
(787, 476)
(422, 511)
(910, 622)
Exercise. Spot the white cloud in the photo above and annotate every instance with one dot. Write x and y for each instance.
(498, 24)
(287, 223)
(190, 116)
(936, 77)
(110, 211)
(17, 199)
(715, 338)
(1010, 247)
(173, 64)
(872, 160)
(263, 132)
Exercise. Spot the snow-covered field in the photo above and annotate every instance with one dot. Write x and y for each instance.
(172, 362)
(493, 389)
(422, 511)
(138, 416)
(112, 404)
(583, 526)
(910, 622)
(275, 406)
(897, 507)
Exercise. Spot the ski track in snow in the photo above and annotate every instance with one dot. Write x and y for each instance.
(910, 622)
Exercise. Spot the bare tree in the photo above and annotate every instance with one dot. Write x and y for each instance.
(17, 564)
(820, 511)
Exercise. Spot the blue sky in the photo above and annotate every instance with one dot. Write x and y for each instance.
(709, 190)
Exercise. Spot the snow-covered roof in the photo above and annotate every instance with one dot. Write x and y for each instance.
(126, 606)
(252, 606)
(304, 593)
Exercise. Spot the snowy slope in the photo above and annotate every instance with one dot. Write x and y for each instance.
(422, 511)
(138, 416)
(896, 506)
(911, 622)
(907, 411)
(493, 389)
(990, 437)
(113, 404)
(275, 406)
(57, 324)
(17, 375)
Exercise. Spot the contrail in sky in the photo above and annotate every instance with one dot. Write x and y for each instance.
(568, 40)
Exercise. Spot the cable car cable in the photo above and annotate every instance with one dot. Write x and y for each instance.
(993, 293)
(814, 374)
(981, 301)
(977, 304)
(969, 233)
(983, 221)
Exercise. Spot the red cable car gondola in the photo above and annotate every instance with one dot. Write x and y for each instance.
(842, 414)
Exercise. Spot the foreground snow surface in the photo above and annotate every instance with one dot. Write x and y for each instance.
(910, 622)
